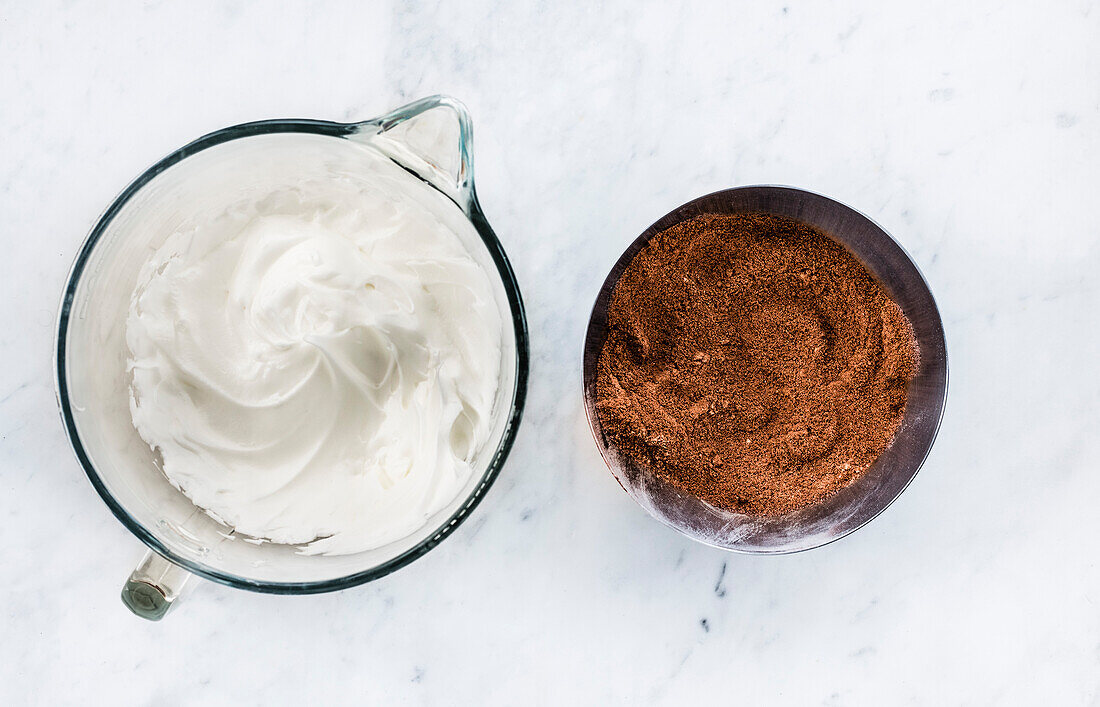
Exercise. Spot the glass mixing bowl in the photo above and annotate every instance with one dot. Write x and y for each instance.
(431, 139)
(870, 494)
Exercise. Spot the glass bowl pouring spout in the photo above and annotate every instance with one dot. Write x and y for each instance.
(432, 138)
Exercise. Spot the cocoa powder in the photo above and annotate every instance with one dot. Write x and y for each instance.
(752, 361)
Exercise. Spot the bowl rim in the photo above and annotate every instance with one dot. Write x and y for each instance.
(472, 210)
(597, 317)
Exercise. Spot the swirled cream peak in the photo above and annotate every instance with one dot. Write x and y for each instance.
(316, 365)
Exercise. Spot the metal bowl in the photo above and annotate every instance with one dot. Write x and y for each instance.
(853, 506)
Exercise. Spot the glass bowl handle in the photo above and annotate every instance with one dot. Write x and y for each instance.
(153, 586)
(433, 139)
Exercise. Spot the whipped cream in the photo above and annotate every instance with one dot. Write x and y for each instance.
(316, 364)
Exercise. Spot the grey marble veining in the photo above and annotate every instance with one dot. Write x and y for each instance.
(968, 130)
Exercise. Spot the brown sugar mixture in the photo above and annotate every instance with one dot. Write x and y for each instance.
(753, 362)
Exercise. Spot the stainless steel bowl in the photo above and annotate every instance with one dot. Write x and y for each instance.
(870, 494)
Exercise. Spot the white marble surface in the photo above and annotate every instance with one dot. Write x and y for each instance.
(969, 130)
